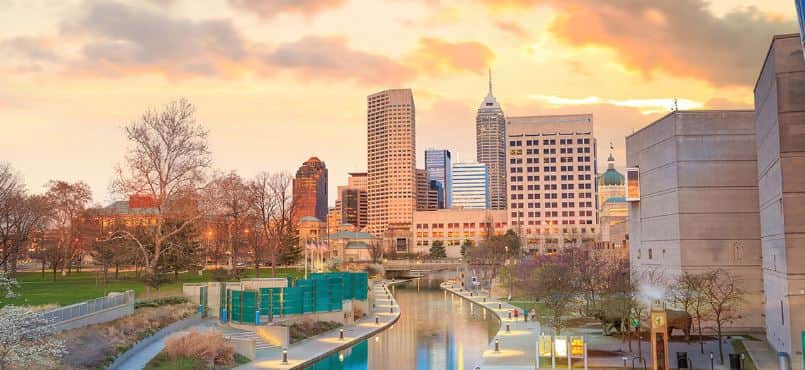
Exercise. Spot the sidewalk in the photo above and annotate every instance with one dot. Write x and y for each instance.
(312, 349)
(517, 345)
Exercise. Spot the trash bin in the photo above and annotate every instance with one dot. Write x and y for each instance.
(735, 361)
(682, 360)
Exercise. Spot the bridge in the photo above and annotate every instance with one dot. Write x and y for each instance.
(415, 268)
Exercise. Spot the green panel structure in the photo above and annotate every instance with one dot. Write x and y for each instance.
(292, 301)
(236, 305)
(202, 299)
(249, 307)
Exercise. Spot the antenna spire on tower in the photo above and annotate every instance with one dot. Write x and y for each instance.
(490, 81)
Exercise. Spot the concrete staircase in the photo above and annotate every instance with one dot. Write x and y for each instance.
(262, 348)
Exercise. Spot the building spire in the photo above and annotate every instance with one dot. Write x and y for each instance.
(490, 81)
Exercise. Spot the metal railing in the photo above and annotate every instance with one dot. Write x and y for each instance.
(88, 307)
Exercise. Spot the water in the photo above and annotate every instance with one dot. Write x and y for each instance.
(435, 331)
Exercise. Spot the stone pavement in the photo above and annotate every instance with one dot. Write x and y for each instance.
(517, 342)
(308, 351)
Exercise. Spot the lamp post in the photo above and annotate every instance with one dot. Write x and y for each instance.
(712, 362)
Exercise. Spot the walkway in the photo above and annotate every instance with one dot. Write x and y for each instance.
(310, 350)
(143, 356)
(517, 342)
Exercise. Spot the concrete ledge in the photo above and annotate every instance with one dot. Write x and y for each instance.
(311, 350)
(358, 339)
(162, 333)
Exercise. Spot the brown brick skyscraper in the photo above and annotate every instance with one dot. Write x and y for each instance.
(310, 190)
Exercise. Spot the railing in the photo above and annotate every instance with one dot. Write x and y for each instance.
(85, 308)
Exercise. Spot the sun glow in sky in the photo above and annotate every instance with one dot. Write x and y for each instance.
(278, 81)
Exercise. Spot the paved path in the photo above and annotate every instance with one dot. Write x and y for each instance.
(308, 351)
(517, 342)
(143, 356)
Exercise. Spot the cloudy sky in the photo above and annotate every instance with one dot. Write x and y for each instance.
(278, 81)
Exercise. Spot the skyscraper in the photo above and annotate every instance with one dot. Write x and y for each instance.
(391, 159)
(427, 197)
(490, 143)
(552, 179)
(351, 202)
(439, 165)
(310, 190)
(470, 185)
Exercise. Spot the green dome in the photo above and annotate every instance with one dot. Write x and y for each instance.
(611, 177)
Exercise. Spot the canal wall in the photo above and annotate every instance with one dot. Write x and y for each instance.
(385, 313)
(514, 345)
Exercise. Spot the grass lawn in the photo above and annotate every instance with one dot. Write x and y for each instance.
(528, 305)
(162, 362)
(738, 346)
(34, 290)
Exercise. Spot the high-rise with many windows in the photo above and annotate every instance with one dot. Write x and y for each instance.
(470, 185)
(438, 164)
(490, 146)
(351, 201)
(552, 183)
(391, 159)
(310, 190)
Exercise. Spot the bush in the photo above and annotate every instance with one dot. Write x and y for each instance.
(208, 346)
(307, 329)
(157, 302)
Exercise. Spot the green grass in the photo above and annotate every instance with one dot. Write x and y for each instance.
(162, 362)
(34, 290)
(528, 305)
(738, 346)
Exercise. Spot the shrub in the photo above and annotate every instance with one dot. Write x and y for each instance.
(157, 302)
(307, 329)
(208, 346)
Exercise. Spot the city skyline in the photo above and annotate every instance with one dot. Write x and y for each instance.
(251, 84)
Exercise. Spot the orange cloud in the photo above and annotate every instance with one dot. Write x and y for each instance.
(435, 56)
(680, 37)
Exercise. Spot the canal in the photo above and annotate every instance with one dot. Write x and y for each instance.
(435, 331)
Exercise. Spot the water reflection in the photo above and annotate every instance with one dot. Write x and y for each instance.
(436, 331)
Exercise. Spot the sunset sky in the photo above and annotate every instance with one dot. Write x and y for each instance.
(278, 81)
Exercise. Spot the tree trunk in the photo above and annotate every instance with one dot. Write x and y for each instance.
(720, 343)
(701, 340)
(117, 271)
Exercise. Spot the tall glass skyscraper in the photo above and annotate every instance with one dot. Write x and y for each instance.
(490, 143)
(470, 185)
(438, 164)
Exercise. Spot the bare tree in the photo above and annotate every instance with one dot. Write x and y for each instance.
(273, 208)
(375, 250)
(166, 163)
(688, 292)
(723, 294)
(67, 201)
(25, 216)
(547, 278)
(230, 203)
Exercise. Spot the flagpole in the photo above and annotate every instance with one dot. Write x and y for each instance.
(306, 245)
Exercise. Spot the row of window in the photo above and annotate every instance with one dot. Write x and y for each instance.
(548, 142)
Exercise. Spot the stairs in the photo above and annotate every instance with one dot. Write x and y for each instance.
(259, 343)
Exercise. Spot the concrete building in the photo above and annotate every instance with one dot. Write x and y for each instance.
(352, 201)
(351, 246)
(427, 192)
(438, 163)
(470, 185)
(490, 146)
(698, 207)
(454, 226)
(613, 210)
(391, 159)
(310, 190)
(780, 130)
(552, 182)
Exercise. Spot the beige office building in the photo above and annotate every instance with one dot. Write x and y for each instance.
(351, 204)
(780, 130)
(391, 167)
(698, 208)
(552, 178)
(455, 225)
